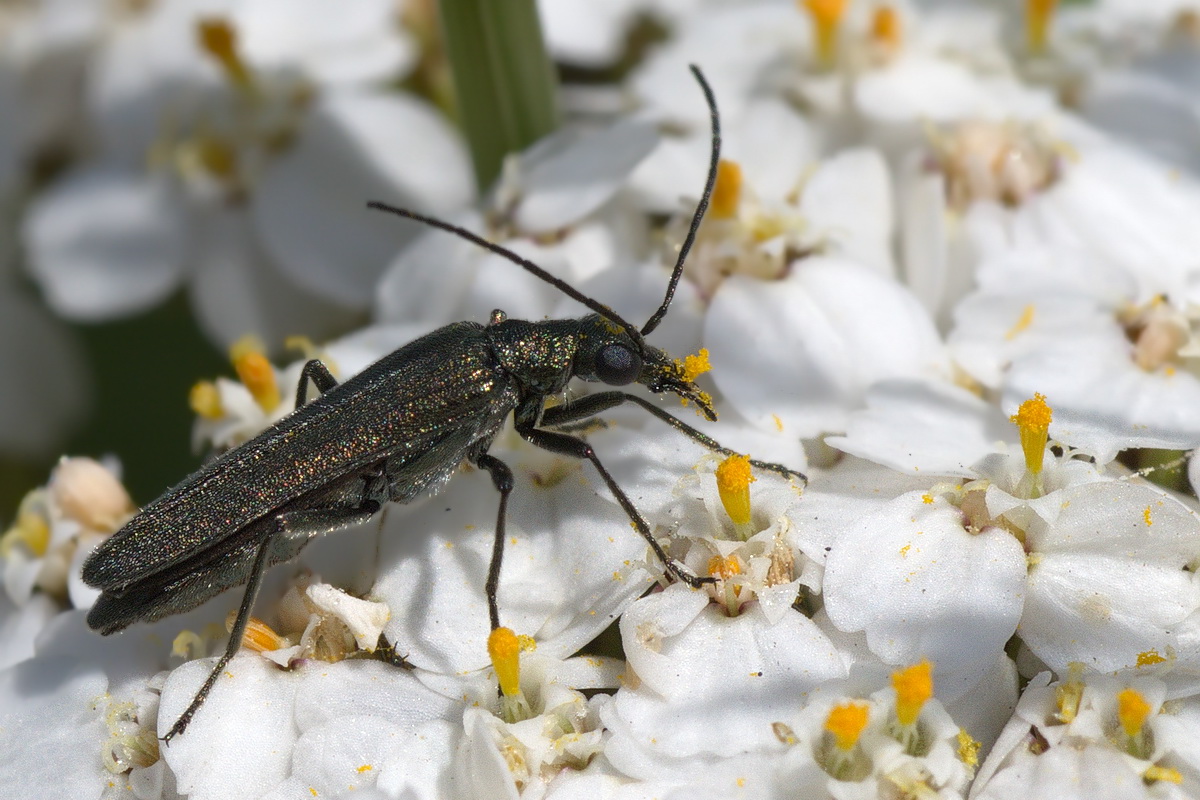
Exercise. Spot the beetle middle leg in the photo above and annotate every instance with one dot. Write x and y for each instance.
(502, 477)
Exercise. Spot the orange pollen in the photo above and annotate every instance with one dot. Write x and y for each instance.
(261, 638)
(504, 648)
(1038, 14)
(724, 568)
(1132, 710)
(695, 366)
(733, 484)
(886, 29)
(846, 722)
(255, 372)
(728, 192)
(218, 38)
(827, 17)
(914, 686)
(1033, 422)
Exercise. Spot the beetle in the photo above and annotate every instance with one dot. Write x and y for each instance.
(392, 433)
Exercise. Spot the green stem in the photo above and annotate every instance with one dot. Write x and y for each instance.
(505, 82)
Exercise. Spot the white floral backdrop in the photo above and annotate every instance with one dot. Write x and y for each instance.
(949, 271)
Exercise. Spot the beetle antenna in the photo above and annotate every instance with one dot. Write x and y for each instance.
(701, 207)
(524, 263)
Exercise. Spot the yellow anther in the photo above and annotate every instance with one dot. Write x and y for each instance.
(255, 372)
(733, 484)
(1033, 421)
(504, 648)
(1022, 324)
(1132, 710)
(968, 748)
(826, 17)
(1069, 694)
(1155, 773)
(215, 156)
(205, 400)
(695, 366)
(259, 636)
(914, 686)
(887, 32)
(30, 530)
(1149, 658)
(1037, 23)
(846, 722)
(727, 194)
(724, 568)
(218, 38)
(188, 644)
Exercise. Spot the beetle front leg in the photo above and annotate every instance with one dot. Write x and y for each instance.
(603, 401)
(565, 445)
(502, 477)
(318, 374)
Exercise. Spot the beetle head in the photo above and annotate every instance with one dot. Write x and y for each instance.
(609, 354)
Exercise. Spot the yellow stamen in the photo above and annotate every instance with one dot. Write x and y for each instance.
(309, 350)
(1033, 420)
(205, 400)
(827, 17)
(31, 530)
(1022, 324)
(968, 748)
(218, 38)
(259, 636)
(846, 722)
(1132, 710)
(1037, 23)
(255, 372)
(188, 644)
(1166, 774)
(913, 686)
(724, 568)
(733, 484)
(1069, 694)
(504, 649)
(886, 30)
(695, 366)
(727, 194)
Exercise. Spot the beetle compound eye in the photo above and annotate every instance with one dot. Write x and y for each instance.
(617, 365)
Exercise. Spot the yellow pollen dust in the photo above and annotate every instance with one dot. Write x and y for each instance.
(826, 17)
(260, 637)
(733, 484)
(727, 194)
(724, 568)
(255, 372)
(218, 38)
(968, 748)
(1033, 421)
(886, 29)
(693, 367)
(31, 530)
(1147, 518)
(1149, 658)
(1132, 710)
(504, 648)
(846, 723)
(914, 686)
(205, 400)
(1038, 14)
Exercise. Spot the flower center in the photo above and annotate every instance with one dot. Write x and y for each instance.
(1003, 162)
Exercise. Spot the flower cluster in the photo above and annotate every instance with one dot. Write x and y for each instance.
(948, 271)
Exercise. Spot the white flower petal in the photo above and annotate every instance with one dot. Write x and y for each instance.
(105, 243)
(310, 207)
(51, 729)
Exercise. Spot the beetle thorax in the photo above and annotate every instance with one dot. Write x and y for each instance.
(539, 355)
